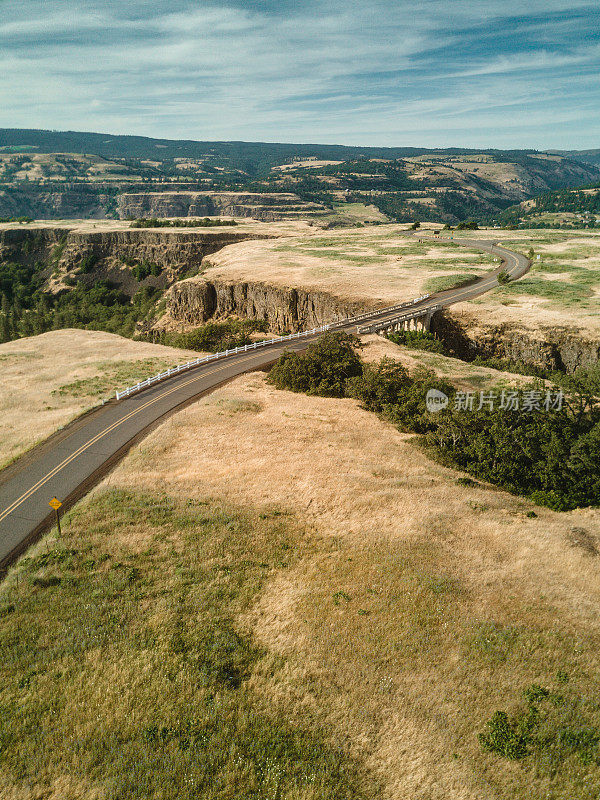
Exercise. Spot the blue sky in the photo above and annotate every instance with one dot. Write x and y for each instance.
(377, 72)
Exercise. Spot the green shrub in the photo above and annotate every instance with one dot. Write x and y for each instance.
(144, 269)
(379, 385)
(87, 263)
(322, 370)
(507, 737)
(554, 728)
(418, 340)
(410, 412)
(216, 336)
(182, 223)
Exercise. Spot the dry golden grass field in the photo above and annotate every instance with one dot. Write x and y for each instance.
(378, 264)
(48, 380)
(561, 290)
(288, 228)
(277, 595)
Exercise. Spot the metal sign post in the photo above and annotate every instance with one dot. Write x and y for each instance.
(56, 504)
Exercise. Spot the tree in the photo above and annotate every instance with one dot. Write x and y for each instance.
(4, 328)
(380, 384)
(322, 370)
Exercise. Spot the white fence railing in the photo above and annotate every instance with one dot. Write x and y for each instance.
(161, 376)
(369, 314)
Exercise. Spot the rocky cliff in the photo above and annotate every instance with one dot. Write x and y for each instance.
(553, 348)
(113, 254)
(91, 201)
(195, 300)
(265, 207)
(55, 202)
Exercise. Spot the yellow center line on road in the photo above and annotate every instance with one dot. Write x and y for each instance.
(99, 436)
(20, 500)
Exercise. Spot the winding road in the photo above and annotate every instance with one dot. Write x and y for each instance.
(74, 459)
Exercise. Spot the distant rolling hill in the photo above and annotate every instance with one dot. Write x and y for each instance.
(584, 156)
(577, 208)
(54, 173)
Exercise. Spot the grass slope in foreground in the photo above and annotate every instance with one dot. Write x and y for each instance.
(240, 626)
(123, 674)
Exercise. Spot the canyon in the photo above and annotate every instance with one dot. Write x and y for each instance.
(190, 301)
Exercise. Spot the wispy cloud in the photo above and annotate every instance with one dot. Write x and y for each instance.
(376, 72)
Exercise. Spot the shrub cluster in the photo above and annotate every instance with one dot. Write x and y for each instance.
(144, 269)
(553, 727)
(215, 337)
(552, 456)
(323, 369)
(418, 340)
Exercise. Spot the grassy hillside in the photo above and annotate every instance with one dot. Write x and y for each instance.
(567, 208)
(253, 156)
(44, 386)
(234, 634)
(403, 183)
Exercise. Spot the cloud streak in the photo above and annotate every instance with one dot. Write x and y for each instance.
(389, 73)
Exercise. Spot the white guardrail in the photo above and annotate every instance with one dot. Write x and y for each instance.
(161, 376)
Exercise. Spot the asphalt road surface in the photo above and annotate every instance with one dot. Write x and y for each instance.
(73, 460)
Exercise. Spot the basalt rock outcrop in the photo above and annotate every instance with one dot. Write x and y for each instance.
(111, 255)
(196, 300)
(102, 201)
(57, 202)
(265, 207)
(552, 348)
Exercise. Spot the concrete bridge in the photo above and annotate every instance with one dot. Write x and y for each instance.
(74, 459)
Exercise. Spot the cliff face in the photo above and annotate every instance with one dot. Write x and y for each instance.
(57, 203)
(552, 348)
(87, 201)
(175, 251)
(265, 207)
(112, 254)
(195, 300)
(28, 245)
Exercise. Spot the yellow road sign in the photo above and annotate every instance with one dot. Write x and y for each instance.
(55, 503)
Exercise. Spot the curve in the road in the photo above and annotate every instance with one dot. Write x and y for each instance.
(73, 460)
